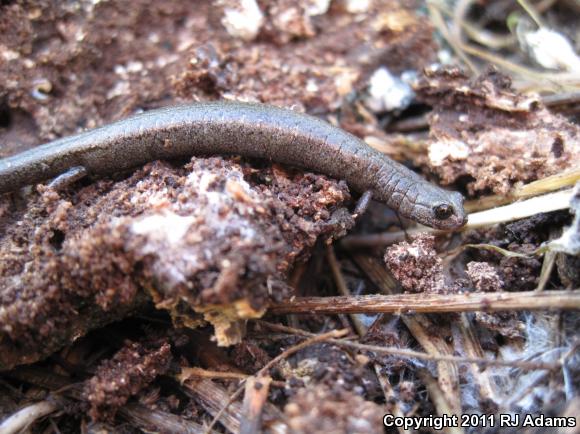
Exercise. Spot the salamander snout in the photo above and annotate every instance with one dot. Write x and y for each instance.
(448, 213)
(432, 206)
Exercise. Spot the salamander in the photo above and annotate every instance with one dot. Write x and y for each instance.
(237, 128)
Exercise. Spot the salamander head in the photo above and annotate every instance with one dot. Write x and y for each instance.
(438, 208)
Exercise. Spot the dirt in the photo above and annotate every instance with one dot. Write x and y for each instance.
(215, 236)
(525, 236)
(334, 410)
(124, 375)
(100, 62)
(484, 277)
(416, 265)
(490, 138)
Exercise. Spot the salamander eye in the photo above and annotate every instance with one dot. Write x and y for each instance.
(443, 211)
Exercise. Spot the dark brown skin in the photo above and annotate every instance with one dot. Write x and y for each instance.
(236, 128)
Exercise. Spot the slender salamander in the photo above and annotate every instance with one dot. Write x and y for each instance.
(247, 129)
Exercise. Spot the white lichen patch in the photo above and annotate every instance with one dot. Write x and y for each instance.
(317, 7)
(168, 227)
(550, 49)
(357, 6)
(168, 230)
(443, 150)
(243, 21)
(387, 92)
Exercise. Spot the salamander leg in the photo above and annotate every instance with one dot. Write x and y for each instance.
(362, 204)
(67, 178)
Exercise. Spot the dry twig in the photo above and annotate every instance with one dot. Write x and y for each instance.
(26, 416)
(525, 365)
(314, 340)
(254, 400)
(361, 330)
(431, 303)
(439, 400)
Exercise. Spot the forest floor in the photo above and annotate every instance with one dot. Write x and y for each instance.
(224, 294)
